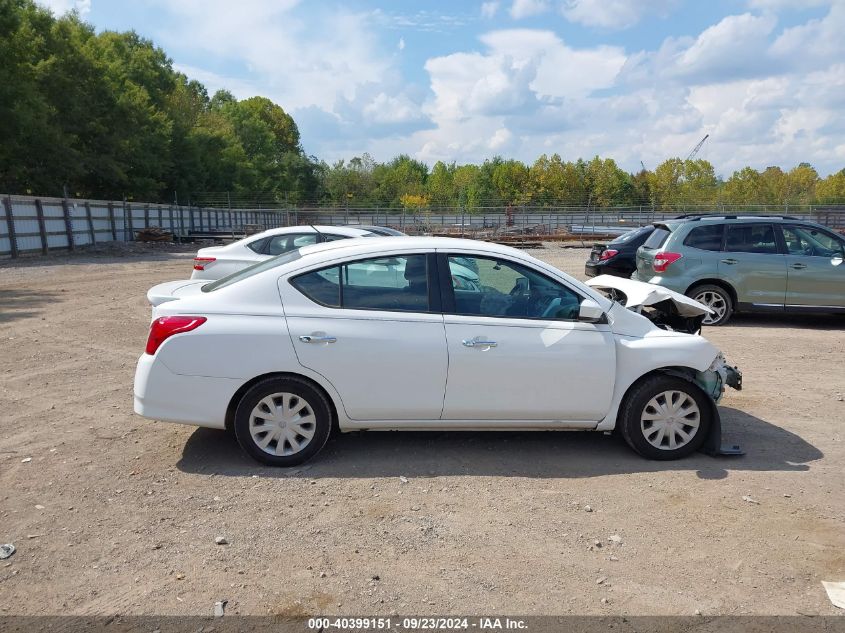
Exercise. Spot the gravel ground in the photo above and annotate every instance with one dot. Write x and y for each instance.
(111, 513)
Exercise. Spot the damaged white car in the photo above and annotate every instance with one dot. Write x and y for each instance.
(387, 334)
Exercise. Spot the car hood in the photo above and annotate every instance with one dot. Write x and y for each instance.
(172, 290)
(639, 294)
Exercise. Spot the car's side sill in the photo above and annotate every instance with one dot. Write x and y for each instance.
(468, 425)
(789, 307)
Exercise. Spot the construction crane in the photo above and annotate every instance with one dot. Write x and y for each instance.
(697, 147)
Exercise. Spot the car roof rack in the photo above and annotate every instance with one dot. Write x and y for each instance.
(721, 216)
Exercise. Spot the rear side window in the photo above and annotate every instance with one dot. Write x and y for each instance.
(656, 239)
(706, 237)
(380, 283)
(258, 245)
(751, 238)
(283, 243)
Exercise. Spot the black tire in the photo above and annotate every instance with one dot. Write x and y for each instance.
(302, 391)
(723, 295)
(636, 401)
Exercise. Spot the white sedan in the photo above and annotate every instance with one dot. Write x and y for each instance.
(215, 262)
(284, 350)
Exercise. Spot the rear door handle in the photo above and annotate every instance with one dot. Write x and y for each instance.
(730, 261)
(477, 343)
(797, 266)
(317, 339)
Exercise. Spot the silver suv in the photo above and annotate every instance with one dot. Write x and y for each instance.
(747, 263)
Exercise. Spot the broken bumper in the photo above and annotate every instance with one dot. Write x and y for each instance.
(713, 382)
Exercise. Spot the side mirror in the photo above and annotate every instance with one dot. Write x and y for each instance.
(590, 312)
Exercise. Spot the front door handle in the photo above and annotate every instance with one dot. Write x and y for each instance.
(477, 343)
(730, 261)
(798, 266)
(317, 339)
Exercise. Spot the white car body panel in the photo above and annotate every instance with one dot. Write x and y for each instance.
(404, 370)
(236, 256)
(491, 383)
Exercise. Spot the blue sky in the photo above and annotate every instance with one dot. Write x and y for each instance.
(634, 80)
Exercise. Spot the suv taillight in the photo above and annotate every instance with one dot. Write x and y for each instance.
(607, 254)
(663, 260)
(165, 327)
(201, 262)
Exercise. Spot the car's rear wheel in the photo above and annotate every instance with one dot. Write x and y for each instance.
(665, 417)
(282, 421)
(717, 299)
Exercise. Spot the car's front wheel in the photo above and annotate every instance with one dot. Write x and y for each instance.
(717, 299)
(282, 421)
(665, 417)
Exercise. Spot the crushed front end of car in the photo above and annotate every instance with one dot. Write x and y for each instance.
(676, 313)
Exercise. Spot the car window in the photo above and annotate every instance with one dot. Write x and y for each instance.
(750, 238)
(811, 242)
(249, 271)
(283, 243)
(633, 235)
(656, 239)
(258, 245)
(332, 237)
(707, 237)
(505, 289)
(380, 283)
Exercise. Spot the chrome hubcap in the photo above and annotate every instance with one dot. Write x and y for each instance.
(670, 420)
(282, 424)
(715, 302)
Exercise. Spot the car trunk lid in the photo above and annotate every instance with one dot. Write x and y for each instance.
(172, 290)
(646, 252)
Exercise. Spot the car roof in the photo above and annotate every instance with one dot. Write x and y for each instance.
(379, 230)
(349, 231)
(405, 242)
(732, 218)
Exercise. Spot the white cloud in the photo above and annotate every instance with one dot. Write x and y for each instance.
(401, 44)
(614, 14)
(732, 48)
(778, 5)
(528, 8)
(489, 9)
(60, 7)
(298, 58)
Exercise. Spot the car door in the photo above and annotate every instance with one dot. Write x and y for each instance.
(753, 264)
(814, 267)
(376, 335)
(516, 349)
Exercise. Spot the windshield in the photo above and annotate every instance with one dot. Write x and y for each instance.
(249, 271)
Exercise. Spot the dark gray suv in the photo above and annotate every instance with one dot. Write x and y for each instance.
(747, 263)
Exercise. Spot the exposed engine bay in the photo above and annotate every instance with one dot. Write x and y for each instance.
(667, 309)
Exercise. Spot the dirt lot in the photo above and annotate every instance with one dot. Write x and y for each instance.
(117, 514)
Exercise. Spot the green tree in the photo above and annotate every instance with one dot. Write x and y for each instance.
(832, 189)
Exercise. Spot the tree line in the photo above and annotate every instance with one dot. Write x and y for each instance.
(105, 115)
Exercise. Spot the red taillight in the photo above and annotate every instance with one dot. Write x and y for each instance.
(201, 262)
(607, 254)
(663, 260)
(165, 327)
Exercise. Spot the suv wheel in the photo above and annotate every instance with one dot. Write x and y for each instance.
(717, 299)
(665, 417)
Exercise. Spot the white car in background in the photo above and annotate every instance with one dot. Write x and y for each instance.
(215, 262)
(282, 351)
